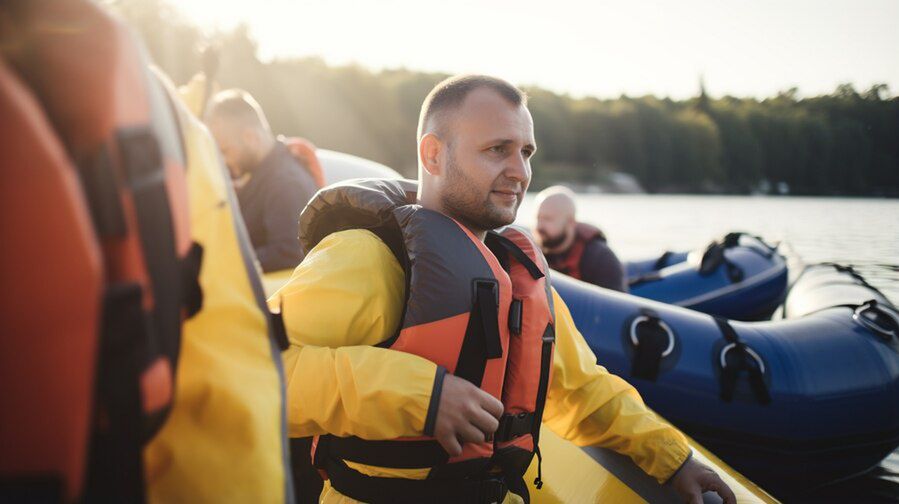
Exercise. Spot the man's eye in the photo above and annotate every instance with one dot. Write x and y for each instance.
(527, 152)
(498, 149)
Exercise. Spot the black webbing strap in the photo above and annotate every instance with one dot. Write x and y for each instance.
(742, 361)
(714, 256)
(515, 425)
(190, 280)
(307, 482)
(376, 490)
(115, 468)
(144, 170)
(489, 314)
(546, 362)
(405, 454)
(651, 276)
(482, 339)
(662, 261)
(652, 339)
(515, 317)
(279, 330)
(518, 254)
(101, 189)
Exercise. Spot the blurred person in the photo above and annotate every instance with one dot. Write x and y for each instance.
(271, 183)
(379, 346)
(575, 248)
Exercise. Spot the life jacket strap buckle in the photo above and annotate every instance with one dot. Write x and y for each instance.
(514, 425)
(491, 491)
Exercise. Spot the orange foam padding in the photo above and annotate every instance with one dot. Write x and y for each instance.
(50, 291)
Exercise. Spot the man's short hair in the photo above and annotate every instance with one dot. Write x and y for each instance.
(237, 106)
(449, 95)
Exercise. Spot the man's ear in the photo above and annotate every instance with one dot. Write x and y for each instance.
(429, 149)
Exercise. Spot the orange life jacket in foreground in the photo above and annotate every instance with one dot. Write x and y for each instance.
(480, 310)
(86, 132)
(570, 262)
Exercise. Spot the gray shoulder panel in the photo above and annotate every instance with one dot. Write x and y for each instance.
(356, 203)
(443, 262)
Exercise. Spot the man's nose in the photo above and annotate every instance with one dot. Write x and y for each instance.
(519, 168)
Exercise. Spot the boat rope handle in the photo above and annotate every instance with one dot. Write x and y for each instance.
(871, 323)
(661, 323)
(749, 351)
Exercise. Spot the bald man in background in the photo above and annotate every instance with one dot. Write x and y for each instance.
(575, 248)
(272, 186)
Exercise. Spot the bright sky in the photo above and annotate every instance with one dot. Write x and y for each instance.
(601, 48)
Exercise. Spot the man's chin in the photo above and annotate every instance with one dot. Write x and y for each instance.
(551, 243)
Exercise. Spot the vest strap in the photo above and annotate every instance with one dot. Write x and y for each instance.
(400, 454)
(515, 317)
(519, 255)
(546, 364)
(279, 330)
(102, 193)
(115, 467)
(374, 490)
(482, 339)
(190, 280)
(662, 261)
(515, 425)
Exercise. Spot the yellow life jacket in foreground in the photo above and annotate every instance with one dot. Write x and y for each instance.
(226, 437)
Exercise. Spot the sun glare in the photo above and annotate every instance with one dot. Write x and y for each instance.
(587, 48)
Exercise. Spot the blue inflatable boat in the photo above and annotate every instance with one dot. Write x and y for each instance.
(738, 277)
(793, 403)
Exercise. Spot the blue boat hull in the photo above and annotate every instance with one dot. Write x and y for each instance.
(832, 383)
(747, 282)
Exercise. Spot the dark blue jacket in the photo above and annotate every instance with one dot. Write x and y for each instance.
(271, 203)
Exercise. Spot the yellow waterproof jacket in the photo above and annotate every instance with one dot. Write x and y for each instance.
(225, 438)
(347, 295)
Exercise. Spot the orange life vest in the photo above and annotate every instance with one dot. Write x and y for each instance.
(304, 151)
(99, 141)
(570, 262)
(480, 310)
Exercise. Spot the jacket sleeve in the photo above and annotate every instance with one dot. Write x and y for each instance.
(344, 297)
(592, 407)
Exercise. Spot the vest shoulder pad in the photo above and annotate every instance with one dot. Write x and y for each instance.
(353, 204)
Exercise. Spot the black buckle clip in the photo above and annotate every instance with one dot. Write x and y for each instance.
(513, 425)
(491, 491)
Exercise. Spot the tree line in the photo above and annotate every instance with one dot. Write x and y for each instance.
(843, 143)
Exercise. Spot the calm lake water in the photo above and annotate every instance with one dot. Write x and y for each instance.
(860, 232)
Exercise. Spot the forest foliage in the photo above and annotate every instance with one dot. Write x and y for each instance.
(843, 143)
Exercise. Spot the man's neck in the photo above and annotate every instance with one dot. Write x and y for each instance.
(434, 204)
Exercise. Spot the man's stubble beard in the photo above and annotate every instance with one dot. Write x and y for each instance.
(554, 241)
(460, 201)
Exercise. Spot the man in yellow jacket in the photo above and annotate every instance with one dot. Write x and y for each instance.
(475, 142)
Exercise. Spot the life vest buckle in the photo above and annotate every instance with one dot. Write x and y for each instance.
(514, 425)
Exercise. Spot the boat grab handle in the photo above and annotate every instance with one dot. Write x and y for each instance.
(887, 329)
(665, 327)
(751, 352)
